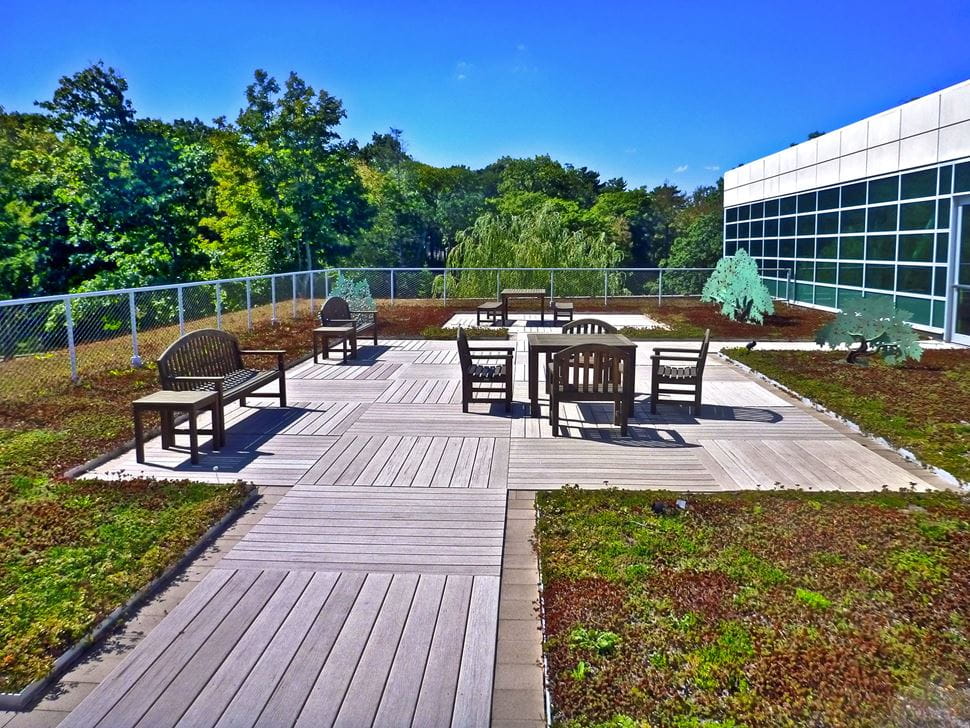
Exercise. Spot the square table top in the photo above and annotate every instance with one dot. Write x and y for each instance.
(561, 341)
(523, 291)
(177, 398)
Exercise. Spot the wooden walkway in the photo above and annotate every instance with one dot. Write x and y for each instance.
(369, 594)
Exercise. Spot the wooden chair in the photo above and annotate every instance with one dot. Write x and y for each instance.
(588, 326)
(484, 382)
(336, 312)
(588, 373)
(688, 376)
(492, 310)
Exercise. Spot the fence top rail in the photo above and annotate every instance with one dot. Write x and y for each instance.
(64, 297)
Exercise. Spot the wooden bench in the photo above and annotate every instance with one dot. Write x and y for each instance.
(212, 361)
(493, 310)
(335, 312)
(561, 310)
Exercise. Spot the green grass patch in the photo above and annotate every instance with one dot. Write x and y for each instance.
(756, 609)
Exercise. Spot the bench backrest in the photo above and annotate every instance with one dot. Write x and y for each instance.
(203, 353)
(464, 351)
(333, 309)
(588, 326)
(702, 354)
(588, 367)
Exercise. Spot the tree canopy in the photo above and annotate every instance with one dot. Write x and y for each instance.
(92, 195)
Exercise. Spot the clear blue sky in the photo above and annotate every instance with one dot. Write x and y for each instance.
(650, 91)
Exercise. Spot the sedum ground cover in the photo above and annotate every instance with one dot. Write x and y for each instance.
(756, 609)
(922, 406)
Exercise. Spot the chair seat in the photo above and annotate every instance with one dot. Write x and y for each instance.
(667, 371)
(490, 306)
(485, 373)
(562, 305)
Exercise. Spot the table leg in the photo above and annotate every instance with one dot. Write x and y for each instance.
(326, 347)
(139, 436)
(534, 380)
(167, 424)
(542, 309)
(194, 436)
(505, 311)
(353, 344)
(217, 437)
(631, 380)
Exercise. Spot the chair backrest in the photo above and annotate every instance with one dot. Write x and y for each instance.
(702, 354)
(464, 352)
(588, 367)
(334, 308)
(588, 326)
(202, 353)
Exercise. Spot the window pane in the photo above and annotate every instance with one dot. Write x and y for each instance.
(939, 281)
(943, 214)
(961, 177)
(804, 271)
(744, 212)
(853, 221)
(853, 195)
(806, 202)
(825, 296)
(786, 226)
(825, 272)
(804, 292)
(850, 274)
(915, 280)
(786, 248)
(757, 210)
(757, 229)
(743, 229)
(882, 218)
(756, 248)
(732, 231)
(918, 184)
(771, 228)
(845, 297)
(828, 199)
(942, 247)
(938, 310)
(851, 248)
(806, 224)
(828, 223)
(946, 179)
(806, 248)
(916, 247)
(883, 190)
(771, 247)
(731, 214)
(787, 205)
(827, 248)
(771, 208)
(918, 308)
(881, 247)
(917, 216)
(880, 276)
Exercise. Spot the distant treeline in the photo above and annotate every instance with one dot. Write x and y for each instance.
(93, 197)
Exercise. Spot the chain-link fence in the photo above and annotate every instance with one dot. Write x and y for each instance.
(47, 341)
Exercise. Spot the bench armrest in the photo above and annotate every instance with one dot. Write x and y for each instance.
(507, 356)
(369, 313)
(342, 322)
(694, 359)
(497, 347)
(680, 351)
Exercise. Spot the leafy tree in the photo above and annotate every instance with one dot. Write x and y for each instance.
(872, 326)
(538, 239)
(287, 191)
(545, 175)
(737, 286)
(385, 151)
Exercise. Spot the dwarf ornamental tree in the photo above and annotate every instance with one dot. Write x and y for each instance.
(872, 326)
(737, 286)
(355, 292)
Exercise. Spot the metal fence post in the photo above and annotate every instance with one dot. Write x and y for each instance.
(498, 284)
(294, 295)
(326, 283)
(392, 285)
(135, 359)
(309, 275)
(552, 284)
(606, 286)
(444, 287)
(249, 305)
(181, 307)
(71, 348)
(272, 295)
(660, 287)
(219, 306)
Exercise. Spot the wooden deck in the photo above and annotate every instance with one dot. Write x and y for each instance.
(368, 595)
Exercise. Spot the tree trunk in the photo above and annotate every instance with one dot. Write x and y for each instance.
(854, 354)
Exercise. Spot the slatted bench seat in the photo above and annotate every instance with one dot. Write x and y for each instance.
(561, 310)
(492, 310)
(212, 360)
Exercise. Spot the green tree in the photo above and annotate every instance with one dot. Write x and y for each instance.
(872, 326)
(737, 286)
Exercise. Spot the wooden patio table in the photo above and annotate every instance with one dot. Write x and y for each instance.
(508, 293)
(551, 343)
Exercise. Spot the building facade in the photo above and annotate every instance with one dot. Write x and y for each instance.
(878, 208)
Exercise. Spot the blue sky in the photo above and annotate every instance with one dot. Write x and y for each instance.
(648, 91)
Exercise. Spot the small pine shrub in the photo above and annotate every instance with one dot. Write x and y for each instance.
(355, 292)
(736, 284)
(872, 326)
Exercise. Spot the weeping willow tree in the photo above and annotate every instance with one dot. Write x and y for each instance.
(536, 239)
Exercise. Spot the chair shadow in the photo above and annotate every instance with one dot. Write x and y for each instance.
(675, 413)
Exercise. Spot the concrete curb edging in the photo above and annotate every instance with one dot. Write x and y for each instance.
(23, 699)
(902, 452)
